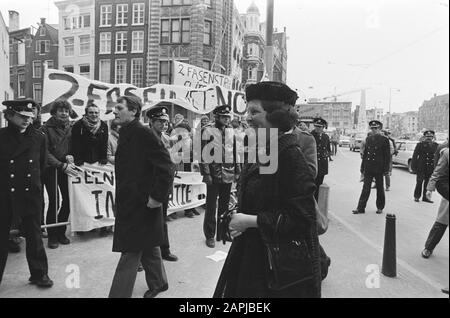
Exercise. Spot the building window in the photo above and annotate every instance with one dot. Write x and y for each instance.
(68, 68)
(85, 44)
(176, 2)
(69, 47)
(121, 42)
(37, 92)
(121, 71)
(138, 13)
(86, 23)
(50, 64)
(122, 14)
(66, 23)
(207, 65)
(85, 70)
(208, 3)
(42, 31)
(105, 15)
(175, 31)
(105, 43)
(37, 69)
(165, 72)
(207, 39)
(42, 46)
(138, 42)
(21, 84)
(105, 71)
(137, 72)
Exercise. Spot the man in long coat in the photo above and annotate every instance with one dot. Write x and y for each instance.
(323, 152)
(375, 165)
(23, 155)
(423, 165)
(144, 173)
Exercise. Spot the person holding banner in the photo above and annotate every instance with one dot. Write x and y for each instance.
(58, 133)
(144, 175)
(218, 176)
(23, 157)
(159, 123)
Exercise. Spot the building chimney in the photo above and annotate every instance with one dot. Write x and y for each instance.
(14, 21)
(42, 21)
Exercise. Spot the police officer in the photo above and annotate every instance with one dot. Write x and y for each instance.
(218, 176)
(22, 160)
(159, 123)
(423, 164)
(323, 151)
(375, 165)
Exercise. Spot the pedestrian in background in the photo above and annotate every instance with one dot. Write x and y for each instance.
(144, 175)
(58, 133)
(113, 140)
(323, 152)
(375, 165)
(423, 164)
(394, 151)
(286, 195)
(335, 139)
(23, 158)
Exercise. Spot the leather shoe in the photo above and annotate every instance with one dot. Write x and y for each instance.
(53, 243)
(42, 282)
(427, 201)
(169, 257)
(445, 290)
(427, 253)
(210, 243)
(379, 211)
(196, 212)
(358, 212)
(189, 214)
(417, 200)
(63, 240)
(156, 292)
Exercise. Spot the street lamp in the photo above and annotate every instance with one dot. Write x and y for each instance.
(390, 104)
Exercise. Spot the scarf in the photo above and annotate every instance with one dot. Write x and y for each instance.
(91, 126)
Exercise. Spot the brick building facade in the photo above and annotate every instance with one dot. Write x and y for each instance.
(434, 114)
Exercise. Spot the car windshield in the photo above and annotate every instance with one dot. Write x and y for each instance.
(411, 147)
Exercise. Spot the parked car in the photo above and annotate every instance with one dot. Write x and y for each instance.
(344, 141)
(405, 150)
(356, 141)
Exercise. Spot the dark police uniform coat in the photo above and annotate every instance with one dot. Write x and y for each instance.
(423, 158)
(22, 160)
(143, 169)
(376, 155)
(323, 152)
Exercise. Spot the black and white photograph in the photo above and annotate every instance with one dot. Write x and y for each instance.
(203, 151)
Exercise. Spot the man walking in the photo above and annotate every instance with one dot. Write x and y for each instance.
(218, 176)
(23, 155)
(423, 164)
(159, 123)
(323, 152)
(144, 173)
(375, 165)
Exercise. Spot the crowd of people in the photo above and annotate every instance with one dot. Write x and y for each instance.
(276, 212)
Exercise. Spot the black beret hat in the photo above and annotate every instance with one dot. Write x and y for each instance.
(23, 107)
(271, 91)
(376, 124)
(429, 133)
(159, 112)
(320, 122)
(224, 110)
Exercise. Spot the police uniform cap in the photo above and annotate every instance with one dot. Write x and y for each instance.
(271, 91)
(160, 113)
(224, 110)
(320, 122)
(23, 107)
(429, 133)
(376, 124)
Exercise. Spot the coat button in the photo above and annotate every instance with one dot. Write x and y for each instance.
(11, 162)
(13, 190)
(12, 176)
(29, 176)
(27, 189)
(31, 161)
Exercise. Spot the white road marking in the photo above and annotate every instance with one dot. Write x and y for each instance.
(379, 249)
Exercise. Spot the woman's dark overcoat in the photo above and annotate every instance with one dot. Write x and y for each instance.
(244, 274)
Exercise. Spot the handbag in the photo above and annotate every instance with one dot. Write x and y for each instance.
(290, 262)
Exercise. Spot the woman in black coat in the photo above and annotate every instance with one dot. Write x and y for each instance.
(263, 198)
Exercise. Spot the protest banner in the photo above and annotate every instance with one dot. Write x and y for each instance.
(196, 77)
(92, 196)
(81, 92)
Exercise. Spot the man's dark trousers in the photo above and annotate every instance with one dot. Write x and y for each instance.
(35, 251)
(126, 272)
(319, 182)
(436, 234)
(223, 191)
(381, 198)
(421, 186)
(165, 247)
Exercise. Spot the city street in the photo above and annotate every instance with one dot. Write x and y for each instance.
(354, 242)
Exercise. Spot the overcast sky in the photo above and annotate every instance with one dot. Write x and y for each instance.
(342, 46)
